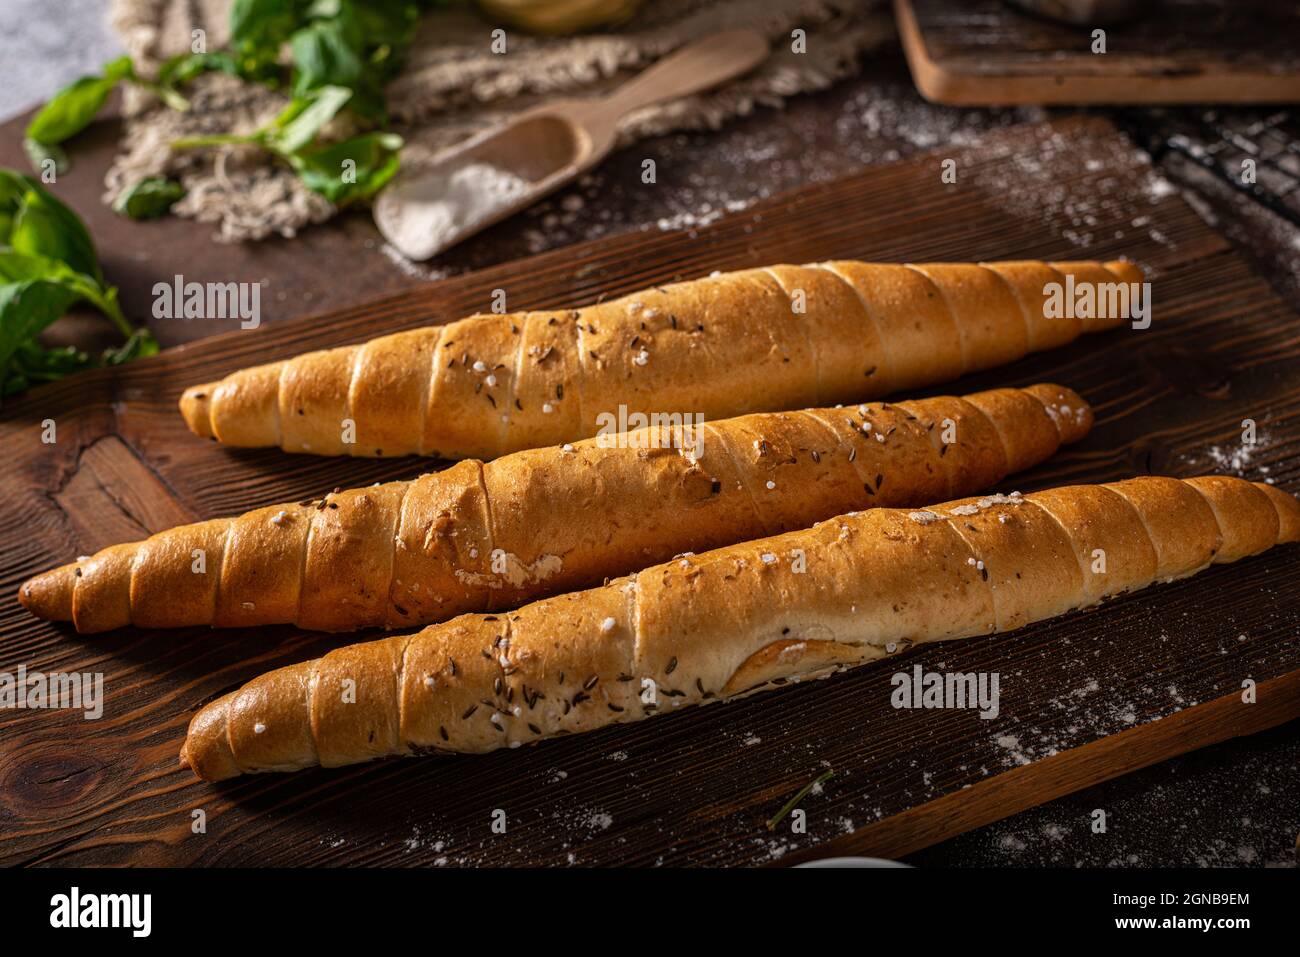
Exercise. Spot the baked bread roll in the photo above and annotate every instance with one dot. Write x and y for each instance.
(477, 537)
(785, 337)
(736, 620)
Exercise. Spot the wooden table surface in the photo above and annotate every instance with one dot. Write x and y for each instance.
(1158, 668)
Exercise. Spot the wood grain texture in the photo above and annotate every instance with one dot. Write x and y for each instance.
(695, 787)
(990, 53)
(1003, 795)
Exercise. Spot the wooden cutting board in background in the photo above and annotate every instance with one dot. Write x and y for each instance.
(1083, 698)
(991, 53)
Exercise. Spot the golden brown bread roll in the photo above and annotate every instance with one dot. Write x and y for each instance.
(785, 337)
(736, 620)
(476, 537)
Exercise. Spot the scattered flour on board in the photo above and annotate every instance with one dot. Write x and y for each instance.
(415, 842)
(407, 266)
(879, 123)
(1234, 458)
(872, 123)
(1151, 825)
(1040, 182)
(1011, 743)
(776, 849)
(585, 820)
(1158, 187)
(1012, 843)
(1088, 714)
(892, 114)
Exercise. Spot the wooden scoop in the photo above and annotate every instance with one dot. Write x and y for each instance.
(503, 170)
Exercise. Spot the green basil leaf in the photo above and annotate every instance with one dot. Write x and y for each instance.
(32, 363)
(26, 308)
(44, 226)
(258, 29)
(119, 69)
(181, 69)
(351, 171)
(140, 344)
(148, 198)
(387, 25)
(49, 263)
(328, 53)
(38, 153)
(40, 364)
(13, 186)
(305, 117)
(20, 267)
(72, 108)
(264, 22)
(323, 9)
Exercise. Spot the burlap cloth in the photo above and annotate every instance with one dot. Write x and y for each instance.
(453, 86)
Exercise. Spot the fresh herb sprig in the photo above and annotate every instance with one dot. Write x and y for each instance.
(343, 172)
(791, 804)
(342, 54)
(47, 263)
(148, 198)
(72, 108)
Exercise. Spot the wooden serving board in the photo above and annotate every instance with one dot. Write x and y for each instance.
(1083, 698)
(990, 53)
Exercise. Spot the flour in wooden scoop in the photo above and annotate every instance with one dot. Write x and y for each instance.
(452, 204)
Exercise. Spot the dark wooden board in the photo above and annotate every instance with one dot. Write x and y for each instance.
(991, 53)
(695, 787)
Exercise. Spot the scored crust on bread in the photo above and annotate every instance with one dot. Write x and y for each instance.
(736, 620)
(481, 536)
(783, 337)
